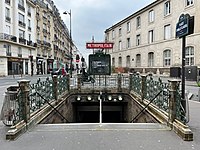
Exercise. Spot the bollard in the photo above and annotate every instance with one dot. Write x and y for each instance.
(143, 88)
(172, 100)
(119, 82)
(55, 87)
(68, 82)
(24, 103)
(79, 82)
(130, 82)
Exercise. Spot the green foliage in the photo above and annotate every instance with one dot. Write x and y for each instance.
(198, 83)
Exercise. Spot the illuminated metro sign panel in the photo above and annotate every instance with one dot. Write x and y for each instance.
(99, 64)
(99, 45)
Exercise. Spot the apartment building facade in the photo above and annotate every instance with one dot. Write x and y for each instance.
(146, 40)
(33, 37)
(17, 36)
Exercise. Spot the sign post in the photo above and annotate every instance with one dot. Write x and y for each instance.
(184, 27)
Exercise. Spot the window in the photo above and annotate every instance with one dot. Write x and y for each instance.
(128, 61)
(120, 62)
(44, 26)
(167, 58)
(120, 45)
(29, 23)
(151, 37)
(38, 36)
(167, 9)
(29, 37)
(8, 50)
(30, 52)
(45, 38)
(113, 61)
(8, 29)
(7, 2)
(120, 31)
(167, 32)
(138, 22)
(21, 34)
(138, 60)
(151, 16)
(44, 15)
(21, 2)
(19, 51)
(189, 2)
(107, 37)
(29, 11)
(138, 40)
(151, 59)
(7, 14)
(128, 26)
(128, 43)
(113, 34)
(189, 56)
(21, 18)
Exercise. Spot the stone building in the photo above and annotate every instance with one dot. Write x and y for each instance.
(146, 40)
(17, 36)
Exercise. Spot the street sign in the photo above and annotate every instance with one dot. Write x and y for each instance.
(99, 45)
(185, 25)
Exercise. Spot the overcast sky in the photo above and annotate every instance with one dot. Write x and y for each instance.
(93, 17)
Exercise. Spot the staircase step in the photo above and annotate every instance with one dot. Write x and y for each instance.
(103, 126)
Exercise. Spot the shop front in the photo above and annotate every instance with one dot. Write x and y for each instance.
(15, 66)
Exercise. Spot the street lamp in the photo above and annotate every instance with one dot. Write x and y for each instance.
(70, 36)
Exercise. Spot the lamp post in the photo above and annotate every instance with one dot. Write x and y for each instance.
(70, 36)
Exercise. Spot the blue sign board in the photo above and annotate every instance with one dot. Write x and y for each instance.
(182, 27)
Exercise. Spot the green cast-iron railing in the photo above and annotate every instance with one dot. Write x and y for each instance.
(136, 83)
(44, 88)
(151, 88)
(132, 82)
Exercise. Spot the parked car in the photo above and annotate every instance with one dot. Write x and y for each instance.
(60, 71)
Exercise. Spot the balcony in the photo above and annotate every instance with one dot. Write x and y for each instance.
(7, 2)
(5, 36)
(47, 44)
(8, 19)
(30, 43)
(20, 7)
(14, 38)
(44, 31)
(22, 24)
(22, 41)
(45, 18)
(39, 42)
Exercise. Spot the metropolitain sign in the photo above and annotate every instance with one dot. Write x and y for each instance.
(99, 45)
